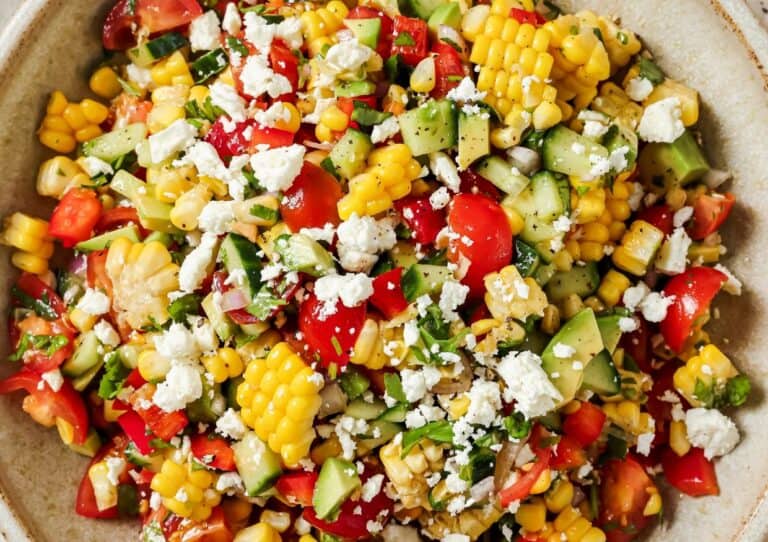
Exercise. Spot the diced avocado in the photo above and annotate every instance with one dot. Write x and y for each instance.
(474, 137)
(526, 258)
(90, 447)
(231, 391)
(422, 279)
(256, 463)
(255, 329)
(601, 375)
(622, 139)
(350, 153)
(100, 242)
(501, 173)
(366, 31)
(85, 357)
(147, 53)
(354, 383)
(581, 280)
(565, 151)
(224, 327)
(241, 256)
(665, 165)
(352, 89)
(582, 334)
(82, 381)
(423, 9)
(430, 127)
(448, 14)
(112, 145)
(207, 408)
(300, 252)
(609, 327)
(359, 408)
(338, 479)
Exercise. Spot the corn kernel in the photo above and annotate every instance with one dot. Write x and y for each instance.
(104, 83)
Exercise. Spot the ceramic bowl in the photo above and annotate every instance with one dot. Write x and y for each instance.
(716, 47)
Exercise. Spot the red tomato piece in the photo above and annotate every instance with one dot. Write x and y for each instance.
(530, 17)
(331, 336)
(297, 487)
(709, 213)
(410, 39)
(388, 295)
(483, 237)
(638, 344)
(522, 487)
(117, 33)
(96, 271)
(130, 109)
(228, 144)
(311, 200)
(38, 360)
(284, 62)
(449, 70)
(135, 428)
(624, 492)
(384, 44)
(347, 105)
(213, 451)
(45, 404)
(75, 216)
(272, 137)
(117, 217)
(213, 529)
(473, 183)
(569, 454)
(165, 425)
(586, 424)
(424, 221)
(85, 505)
(693, 292)
(660, 216)
(693, 474)
(159, 15)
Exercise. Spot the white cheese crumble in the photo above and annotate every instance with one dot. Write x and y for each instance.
(165, 143)
(445, 170)
(182, 385)
(276, 113)
(227, 98)
(229, 482)
(94, 166)
(562, 224)
(345, 429)
(661, 122)
(639, 88)
(416, 383)
(231, 425)
(361, 239)
(141, 77)
(653, 305)
(277, 168)
(232, 23)
(106, 333)
(204, 33)
(326, 233)
(347, 56)
(682, 215)
(732, 285)
(673, 255)
(371, 487)
(563, 351)
(627, 325)
(258, 78)
(259, 32)
(195, 266)
(452, 296)
(176, 343)
(115, 467)
(711, 430)
(53, 378)
(440, 198)
(484, 402)
(385, 130)
(94, 302)
(465, 91)
(217, 217)
(351, 289)
(527, 384)
(644, 442)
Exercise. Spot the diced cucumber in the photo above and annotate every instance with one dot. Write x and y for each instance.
(352, 89)
(208, 65)
(430, 127)
(85, 357)
(366, 31)
(403, 255)
(423, 9)
(422, 279)
(100, 242)
(152, 461)
(359, 408)
(255, 329)
(338, 479)
(620, 138)
(582, 334)
(207, 408)
(565, 151)
(300, 252)
(665, 165)
(82, 381)
(448, 14)
(386, 431)
(581, 280)
(241, 256)
(127, 185)
(224, 327)
(256, 463)
(155, 214)
(395, 414)
(112, 145)
(350, 153)
(503, 175)
(148, 53)
(544, 273)
(526, 258)
(610, 329)
(160, 237)
(601, 375)
(474, 135)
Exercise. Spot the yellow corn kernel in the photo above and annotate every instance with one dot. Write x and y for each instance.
(58, 141)
(676, 197)
(104, 83)
(638, 247)
(543, 482)
(562, 261)
(612, 287)
(24, 232)
(334, 118)
(516, 222)
(546, 115)
(261, 532)
(395, 100)
(423, 77)
(571, 305)
(531, 516)
(57, 103)
(458, 407)
(559, 496)
(73, 115)
(550, 323)
(188, 206)
(307, 538)
(87, 133)
(591, 251)
(185, 491)
(619, 209)
(689, 99)
(678, 437)
(29, 263)
(711, 367)
(163, 115)
(653, 506)
(152, 366)
(93, 111)
(628, 416)
(225, 364)
(595, 231)
(589, 206)
(82, 320)
(293, 122)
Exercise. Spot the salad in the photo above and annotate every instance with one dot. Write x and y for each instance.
(376, 271)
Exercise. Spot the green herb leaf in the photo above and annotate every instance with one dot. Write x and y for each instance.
(128, 88)
(264, 304)
(394, 387)
(704, 392)
(353, 383)
(237, 46)
(264, 212)
(517, 426)
(183, 307)
(365, 115)
(649, 70)
(452, 43)
(440, 431)
(616, 448)
(737, 390)
(42, 307)
(336, 345)
(127, 500)
(599, 34)
(405, 39)
(622, 38)
(327, 165)
(115, 373)
(48, 344)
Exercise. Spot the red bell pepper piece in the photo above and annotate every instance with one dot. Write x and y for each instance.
(75, 216)
(410, 39)
(388, 295)
(135, 429)
(693, 474)
(213, 451)
(297, 487)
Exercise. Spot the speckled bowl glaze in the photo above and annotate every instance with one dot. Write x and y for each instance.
(715, 46)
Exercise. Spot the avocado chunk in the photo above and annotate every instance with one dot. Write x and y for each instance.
(423, 279)
(474, 138)
(430, 127)
(300, 252)
(601, 375)
(448, 14)
(112, 145)
(501, 173)
(665, 165)
(422, 9)
(100, 242)
(204, 408)
(256, 463)
(365, 30)
(581, 334)
(581, 280)
(338, 479)
(609, 327)
(352, 89)
(350, 153)
(241, 256)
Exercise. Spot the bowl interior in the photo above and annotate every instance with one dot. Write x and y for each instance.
(693, 42)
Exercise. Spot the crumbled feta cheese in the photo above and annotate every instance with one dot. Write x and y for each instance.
(563, 351)
(600, 166)
(636, 197)
(232, 22)
(94, 302)
(711, 430)
(594, 129)
(644, 442)
(195, 266)
(654, 306)
(371, 487)
(204, 333)
(411, 333)
(106, 333)
(53, 378)
(182, 385)
(732, 285)
(627, 325)
(440, 198)
(361, 239)
(276, 113)
(634, 295)
(94, 166)
(229, 482)
(385, 130)
(321, 105)
(639, 88)
(227, 98)
(277, 168)
(231, 425)
(527, 384)
(445, 170)
(217, 217)
(115, 467)
(562, 224)
(465, 91)
(351, 289)
(452, 296)
(204, 33)
(326, 233)
(661, 121)
(258, 78)
(618, 159)
(345, 57)
(456, 537)
(673, 255)
(289, 30)
(176, 343)
(141, 77)
(416, 383)
(165, 143)
(259, 32)
(682, 216)
(346, 428)
(484, 402)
